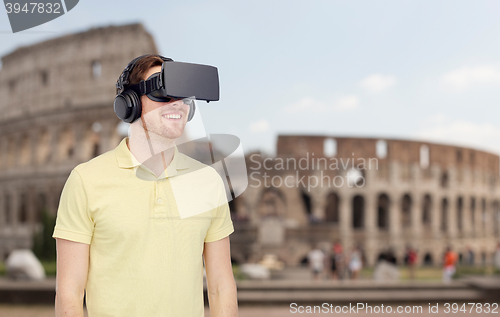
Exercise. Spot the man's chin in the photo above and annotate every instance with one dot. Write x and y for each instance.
(172, 135)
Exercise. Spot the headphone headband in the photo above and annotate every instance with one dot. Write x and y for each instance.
(123, 81)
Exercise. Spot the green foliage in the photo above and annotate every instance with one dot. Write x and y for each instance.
(44, 246)
(238, 275)
(474, 270)
(50, 268)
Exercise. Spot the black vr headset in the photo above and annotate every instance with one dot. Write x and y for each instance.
(175, 81)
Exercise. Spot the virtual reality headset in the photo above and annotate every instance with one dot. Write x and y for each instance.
(180, 80)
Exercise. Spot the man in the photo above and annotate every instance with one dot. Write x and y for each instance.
(449, 261)
(316, 259)
(123, 235)
(411, 260)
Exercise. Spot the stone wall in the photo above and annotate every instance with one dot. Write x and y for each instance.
(56, 112)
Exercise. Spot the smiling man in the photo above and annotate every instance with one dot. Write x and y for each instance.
(135, 224)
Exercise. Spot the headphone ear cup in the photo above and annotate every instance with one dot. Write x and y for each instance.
(128, 106)
(192, 109)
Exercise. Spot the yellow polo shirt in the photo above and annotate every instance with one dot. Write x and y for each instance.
(146, 233)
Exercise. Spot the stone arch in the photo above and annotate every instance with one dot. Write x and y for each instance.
(406, 204)
(426, 211)
(41, 205)
(381, 149)
(272, 203)
(424, 156)
(23, 209)
(383, 204)
(66, 143)
(483, 213)
(427, 259)
(307, 201)
(304, 261)
(25, 150)
(496, 218)
(2, 211)
(43, 146)
(332, 213)
(11, 152)
(444, 215)
(358, 211)
(91, 143)
(460, 213)
(444, 179)
(329, 147)
(356, 177)
(7, 208)
(473, 213)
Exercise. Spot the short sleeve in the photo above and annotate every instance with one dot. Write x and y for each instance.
(221, 225)
(74, 221)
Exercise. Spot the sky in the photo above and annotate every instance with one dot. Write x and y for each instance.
(417, 70)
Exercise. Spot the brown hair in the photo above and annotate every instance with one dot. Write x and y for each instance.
(142, 66)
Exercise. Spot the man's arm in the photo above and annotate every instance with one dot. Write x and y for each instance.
(71, 278)
(221, 286)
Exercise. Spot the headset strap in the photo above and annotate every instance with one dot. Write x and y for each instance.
(144, 87)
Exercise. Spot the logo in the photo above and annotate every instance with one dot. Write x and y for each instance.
(25, 15)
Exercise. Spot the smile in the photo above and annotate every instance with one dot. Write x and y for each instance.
(172, 116)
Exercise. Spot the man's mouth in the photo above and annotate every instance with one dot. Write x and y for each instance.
(172, 116)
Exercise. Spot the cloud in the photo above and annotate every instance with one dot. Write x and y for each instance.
(347, 103)
(439, 128)
(308, 104)
(259, 126)
(377, 83)
(468, 76)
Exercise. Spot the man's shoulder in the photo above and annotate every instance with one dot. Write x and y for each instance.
(98, 166)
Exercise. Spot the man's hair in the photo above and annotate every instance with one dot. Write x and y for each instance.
(142, 66)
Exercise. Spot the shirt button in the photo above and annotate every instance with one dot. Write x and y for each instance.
(159, 200)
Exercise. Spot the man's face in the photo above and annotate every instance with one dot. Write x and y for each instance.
(166, 119)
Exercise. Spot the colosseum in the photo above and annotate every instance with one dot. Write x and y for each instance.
(56, 112)
(371, 193)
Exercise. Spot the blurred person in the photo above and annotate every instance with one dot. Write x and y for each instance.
(355, 263)
(449, 261)
(411, 261)
(333, 263)
(316, 259)
(340, 260)
(470, 256)
(121, 240)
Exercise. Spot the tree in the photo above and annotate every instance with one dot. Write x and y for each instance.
(44, 246)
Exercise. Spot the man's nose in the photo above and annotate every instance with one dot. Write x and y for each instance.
(177, 102)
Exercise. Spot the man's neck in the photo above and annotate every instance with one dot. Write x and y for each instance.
(152, 151)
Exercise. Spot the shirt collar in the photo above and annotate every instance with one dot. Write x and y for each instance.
(126, 159)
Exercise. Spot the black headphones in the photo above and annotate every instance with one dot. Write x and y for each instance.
(127, 104)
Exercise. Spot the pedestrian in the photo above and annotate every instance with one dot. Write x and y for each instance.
(333, 264)
(355, 263)
(316, 259)
(449, 262)
(411, 261)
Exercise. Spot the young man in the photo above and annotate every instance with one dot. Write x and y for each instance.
(123, 235)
